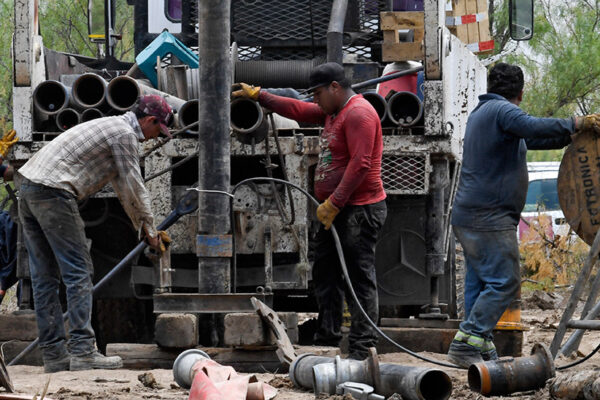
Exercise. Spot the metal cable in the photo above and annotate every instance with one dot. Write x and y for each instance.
(338, 247)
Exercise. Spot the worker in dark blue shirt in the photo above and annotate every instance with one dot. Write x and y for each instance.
(490, 197)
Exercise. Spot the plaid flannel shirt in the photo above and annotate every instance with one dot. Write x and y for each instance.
(85, 158)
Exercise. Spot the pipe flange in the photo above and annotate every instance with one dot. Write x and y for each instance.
(542, 351)
(373, 365)
(182, 367)
(294, 365)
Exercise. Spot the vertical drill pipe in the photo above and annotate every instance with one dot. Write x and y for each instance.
(404, 109)
(188, 114)
(123, 91)
(91, 113)
(89, 90)
(214, 170)
(335, 31)
(378, 103)
(67, 118)
(507, 376)
(49, 97)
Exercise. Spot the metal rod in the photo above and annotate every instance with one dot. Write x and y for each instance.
(582, 280)
(573, 342)
(386, 78)
(214, 171)
(584, 324)
(335, 32)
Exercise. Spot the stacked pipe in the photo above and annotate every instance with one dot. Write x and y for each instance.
(404, 109)
(90, 97)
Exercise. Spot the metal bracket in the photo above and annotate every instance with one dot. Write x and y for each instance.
(285, 350)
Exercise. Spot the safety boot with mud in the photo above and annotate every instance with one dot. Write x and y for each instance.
(95, 360)
(488, 352)
(57, 364)
(463, 354)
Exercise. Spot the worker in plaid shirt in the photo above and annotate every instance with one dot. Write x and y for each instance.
(72, 167)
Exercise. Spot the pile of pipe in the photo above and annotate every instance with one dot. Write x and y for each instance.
(328, 375)
(401, 109)
(60, 107)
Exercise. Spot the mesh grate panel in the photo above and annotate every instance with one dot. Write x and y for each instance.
(405, 173)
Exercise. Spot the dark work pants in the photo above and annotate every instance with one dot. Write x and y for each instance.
(357, 227)
(56, 243)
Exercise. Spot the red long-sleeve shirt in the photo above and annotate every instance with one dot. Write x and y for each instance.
(349, 167)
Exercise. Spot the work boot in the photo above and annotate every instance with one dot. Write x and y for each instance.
(57, 364)
(463, 354)
(95, 360)
(489, 353)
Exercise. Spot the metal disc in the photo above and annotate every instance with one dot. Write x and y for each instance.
(579, 185)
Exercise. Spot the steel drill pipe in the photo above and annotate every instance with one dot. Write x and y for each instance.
(188, 114)
(49, 97)
(248, 121)
(323, 374)
(404, 109)
(123, 91)
(89, 90)
(378, 103)
(67, 118)
(510, 375)
(90, 114)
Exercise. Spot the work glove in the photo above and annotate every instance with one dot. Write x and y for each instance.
(245, 90)
(165, 240)
(7, 141)
(326, 213)
(590, 122)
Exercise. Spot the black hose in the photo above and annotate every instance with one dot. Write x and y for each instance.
(584, 359)
(338, 247)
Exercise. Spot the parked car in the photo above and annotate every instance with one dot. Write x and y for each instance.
(542, 201)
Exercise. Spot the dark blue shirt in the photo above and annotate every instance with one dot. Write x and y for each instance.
(493, 180)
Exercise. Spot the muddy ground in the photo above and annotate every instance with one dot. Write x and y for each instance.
(124, 384)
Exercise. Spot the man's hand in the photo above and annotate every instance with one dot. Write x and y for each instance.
(245, 90)
(589, 122)
(7, 141)
(326, 213)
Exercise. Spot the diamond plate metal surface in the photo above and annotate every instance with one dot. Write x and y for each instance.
(406, 173)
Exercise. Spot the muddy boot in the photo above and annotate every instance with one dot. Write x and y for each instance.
(95, 360)
(489, 353)
(57, 364)
(463, 354)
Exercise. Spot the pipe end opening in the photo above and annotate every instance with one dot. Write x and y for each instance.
(435, 385)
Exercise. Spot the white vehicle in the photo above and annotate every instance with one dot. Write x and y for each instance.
(542, 200)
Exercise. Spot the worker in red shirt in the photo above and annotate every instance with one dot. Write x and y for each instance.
(348, 183)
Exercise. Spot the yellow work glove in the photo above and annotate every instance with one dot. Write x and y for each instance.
(7, 141)
(245, 90)
(590, 122)
(165, 240)
(326, 213)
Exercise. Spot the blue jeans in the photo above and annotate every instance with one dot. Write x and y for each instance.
(56, 243)
(492, 279)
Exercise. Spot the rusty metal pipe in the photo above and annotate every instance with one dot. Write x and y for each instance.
(378, 103)
(67, 118)
(89, 90)
(49, 97)
(404, 109)
(323, 374)
(248, 121)
(188, 114)
(123, 91)
(90, 114)
(510, 375)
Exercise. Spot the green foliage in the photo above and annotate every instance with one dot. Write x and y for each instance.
(63, 25)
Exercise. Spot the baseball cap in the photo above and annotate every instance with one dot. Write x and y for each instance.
(324, 74)
(156, 106)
